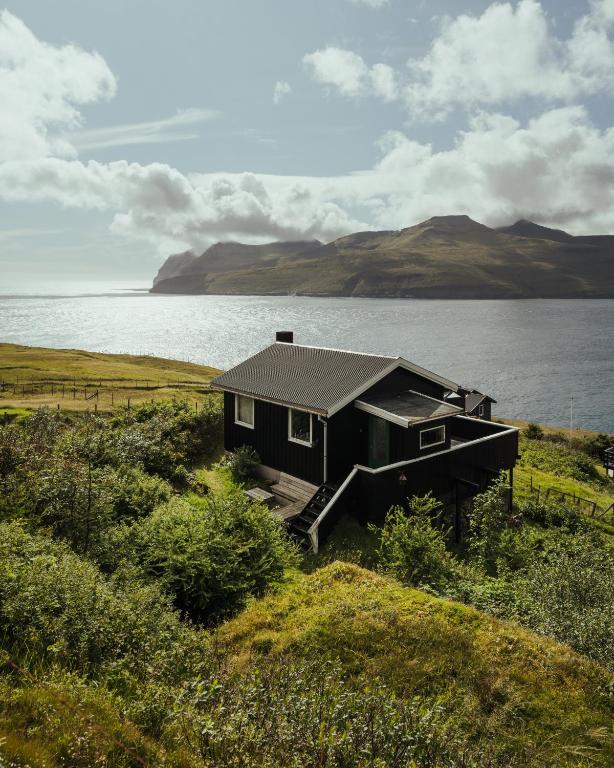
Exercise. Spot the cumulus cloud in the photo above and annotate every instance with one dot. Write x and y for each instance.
(507, 53)
(42, 87)
(348, 72)
(41, 131)
(557, 169)
(280, 90)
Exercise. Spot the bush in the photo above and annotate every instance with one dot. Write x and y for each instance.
(162, 437)
(560, 460)
(210, 558)
(243, 463)
(568, 594)
(411, 549)
(533, 431)
(136, 494)
(551, 515)
(488, 518)
(75, 501)
(57, 607)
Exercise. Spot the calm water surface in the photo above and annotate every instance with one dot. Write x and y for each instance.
(532, 356)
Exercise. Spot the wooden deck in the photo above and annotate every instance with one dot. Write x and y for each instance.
(294, 490)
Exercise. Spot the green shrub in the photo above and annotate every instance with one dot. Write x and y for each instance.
(552, 515)
(568, 594)
(243, 463)
(488, 518)
(411, 548)
(75, 501)
(595, 445)
(56, 607)
(210, 558)
(137, 494)
(560, 460)
(162, 437)
(533, 431)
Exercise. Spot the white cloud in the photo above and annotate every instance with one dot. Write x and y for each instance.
(280, 90)
(557, 169)
(348, 72)
(41, 87)
(384, 82)
(507, 53)
(338, 67)
(150, 132)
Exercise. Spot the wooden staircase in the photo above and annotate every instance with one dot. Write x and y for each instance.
(299, 526)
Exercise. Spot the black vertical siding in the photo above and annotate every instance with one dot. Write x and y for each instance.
(475, 464)
(270, 439)
(347, 441)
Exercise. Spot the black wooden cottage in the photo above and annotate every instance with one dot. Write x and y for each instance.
(362, 431)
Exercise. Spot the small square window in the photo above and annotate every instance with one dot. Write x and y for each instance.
(433, 436)
(300, 427)
(244, 411)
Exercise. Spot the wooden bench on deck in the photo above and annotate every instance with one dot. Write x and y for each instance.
(259, 494)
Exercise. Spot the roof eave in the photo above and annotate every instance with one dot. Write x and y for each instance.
(274, 401)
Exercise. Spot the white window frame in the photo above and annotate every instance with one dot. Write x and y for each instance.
(237, 420)
(433, 429)
(481, 410)
(296, 440)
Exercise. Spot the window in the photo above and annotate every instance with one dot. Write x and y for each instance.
(434, 436)
(481, 411)
(300, 429)
(244, 411)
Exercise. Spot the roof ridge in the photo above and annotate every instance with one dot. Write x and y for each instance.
(336, 349)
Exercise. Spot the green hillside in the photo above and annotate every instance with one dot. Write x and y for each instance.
(498, 684)
(31, 377)
(444, 257)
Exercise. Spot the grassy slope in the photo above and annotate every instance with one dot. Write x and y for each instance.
(502, 683)
(128, 376)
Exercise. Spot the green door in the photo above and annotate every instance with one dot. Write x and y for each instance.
(379, 442)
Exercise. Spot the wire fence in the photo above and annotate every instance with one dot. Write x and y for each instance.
(95, 393)
(586, 506)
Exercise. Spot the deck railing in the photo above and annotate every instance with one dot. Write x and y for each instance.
(315, 526)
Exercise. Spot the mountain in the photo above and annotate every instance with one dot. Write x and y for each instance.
(443, 257)
(186, 271)
(524, 228)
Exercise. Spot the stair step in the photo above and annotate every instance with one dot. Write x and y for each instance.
(300, 526)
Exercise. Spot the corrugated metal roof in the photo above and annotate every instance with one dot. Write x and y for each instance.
(410, 406)
(314, 378)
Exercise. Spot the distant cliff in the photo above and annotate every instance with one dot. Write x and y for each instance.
(444, 257)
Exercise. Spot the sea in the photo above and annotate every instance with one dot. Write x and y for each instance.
(549, 361)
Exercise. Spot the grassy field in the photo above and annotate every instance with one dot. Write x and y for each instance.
(78, 381)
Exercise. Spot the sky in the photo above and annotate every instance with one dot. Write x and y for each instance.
(132, 130)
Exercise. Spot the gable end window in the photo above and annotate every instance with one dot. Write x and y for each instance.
(244, 411)
(300, 427)
(433, 436)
